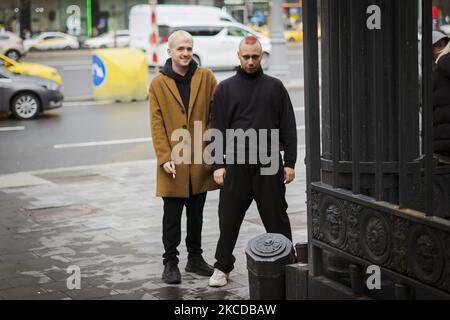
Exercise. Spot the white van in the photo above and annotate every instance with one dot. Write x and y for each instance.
(216, 33)
(215, 43)
(139, 19)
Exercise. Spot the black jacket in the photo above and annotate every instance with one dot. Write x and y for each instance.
(255, 101)
(441, 106)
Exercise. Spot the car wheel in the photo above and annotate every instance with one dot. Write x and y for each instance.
(103, 46)
(291, 40)
(25, 106)
(265, 61)
(67, 48)
(13, 54)
(196, 58)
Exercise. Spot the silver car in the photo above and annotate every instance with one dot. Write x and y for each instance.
(11, 45)
(25, 96)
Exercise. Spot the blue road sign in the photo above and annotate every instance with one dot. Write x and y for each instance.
(98, 71)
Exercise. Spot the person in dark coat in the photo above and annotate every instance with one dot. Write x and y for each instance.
(252, 101)
(441, 105)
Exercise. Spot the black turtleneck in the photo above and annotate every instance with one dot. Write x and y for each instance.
(183, 82)
(256, 101)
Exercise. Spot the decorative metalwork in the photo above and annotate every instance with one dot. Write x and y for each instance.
(376, 237)
(426, 255)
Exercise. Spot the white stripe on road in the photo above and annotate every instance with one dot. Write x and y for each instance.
(112, 142)
(73, 68)
(11, 128)
(86, 103)
(101, 143)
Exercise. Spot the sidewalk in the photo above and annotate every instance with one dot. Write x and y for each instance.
(105, 220)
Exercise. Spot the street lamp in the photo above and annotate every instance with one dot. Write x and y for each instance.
(278, 57)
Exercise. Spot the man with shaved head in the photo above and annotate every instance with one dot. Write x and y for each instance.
(251, 101)
(179, 96)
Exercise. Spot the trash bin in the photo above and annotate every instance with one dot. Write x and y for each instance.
(119, 74)
(267, 256)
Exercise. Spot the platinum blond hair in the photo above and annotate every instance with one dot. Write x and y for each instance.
(179, 35)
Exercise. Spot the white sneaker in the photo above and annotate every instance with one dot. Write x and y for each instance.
(218, 279)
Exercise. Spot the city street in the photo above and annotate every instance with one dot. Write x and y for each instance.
(87, 132)
(77, 189)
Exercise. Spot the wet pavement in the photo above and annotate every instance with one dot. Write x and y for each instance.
(106, 221)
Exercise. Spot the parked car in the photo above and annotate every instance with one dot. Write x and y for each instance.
(33, 69)
(220, 38)
(51, 41)
(106, 40)
(25, 96)
(291, 35)
(445, 29)
(11, 45)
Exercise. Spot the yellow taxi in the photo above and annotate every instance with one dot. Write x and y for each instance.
(31, 69)
(290, 35)
(294, 35)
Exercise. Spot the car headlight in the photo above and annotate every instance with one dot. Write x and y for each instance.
(51, 86)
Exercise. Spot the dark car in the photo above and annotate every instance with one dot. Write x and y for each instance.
(26, 96)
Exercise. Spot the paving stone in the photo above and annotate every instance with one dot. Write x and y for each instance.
(21, 292)
(118, 249)
(49, 296)
(90, 293)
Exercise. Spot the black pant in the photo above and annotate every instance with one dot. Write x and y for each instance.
(243, 184)
(171, 233)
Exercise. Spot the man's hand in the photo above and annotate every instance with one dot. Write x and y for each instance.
(219, 176)
(169, 167)
(289, 175)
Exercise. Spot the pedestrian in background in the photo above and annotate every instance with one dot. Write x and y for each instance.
(180, 95)
(439, 41)
(441, 105)
(251, 100)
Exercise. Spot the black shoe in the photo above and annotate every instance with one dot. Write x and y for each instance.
(171, 273)
(198, 266)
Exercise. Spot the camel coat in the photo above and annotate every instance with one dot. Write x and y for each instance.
(168, 114)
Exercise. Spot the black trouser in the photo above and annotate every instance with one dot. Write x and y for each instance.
(243, 183)
(171, 233)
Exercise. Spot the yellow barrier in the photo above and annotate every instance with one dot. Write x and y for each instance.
(119, 74)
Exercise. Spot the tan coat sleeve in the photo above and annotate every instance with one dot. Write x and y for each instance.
(159, 134)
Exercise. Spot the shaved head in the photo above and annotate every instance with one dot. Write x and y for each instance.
(250, 54)
(250, 40)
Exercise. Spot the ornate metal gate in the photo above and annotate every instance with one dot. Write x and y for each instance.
(376, 195)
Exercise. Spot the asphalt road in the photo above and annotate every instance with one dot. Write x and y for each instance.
(87, 132)
(75, 68)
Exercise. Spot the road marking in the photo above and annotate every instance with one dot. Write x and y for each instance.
(11, 128)
(101, 143)
(112, 142)
(74, 68)
(299, 109)
(86, 103)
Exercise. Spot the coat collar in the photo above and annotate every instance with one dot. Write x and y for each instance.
(195, 86)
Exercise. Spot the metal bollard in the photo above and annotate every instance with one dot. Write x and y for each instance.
(267, 256)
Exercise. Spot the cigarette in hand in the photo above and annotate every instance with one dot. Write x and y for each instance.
(173, 176)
